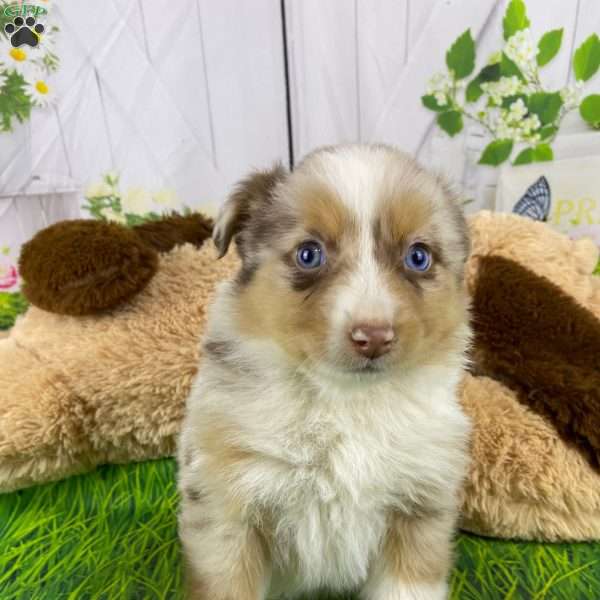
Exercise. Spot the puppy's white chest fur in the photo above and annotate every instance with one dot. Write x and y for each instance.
(327, 470)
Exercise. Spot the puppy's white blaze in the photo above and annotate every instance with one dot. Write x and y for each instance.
(366, 297)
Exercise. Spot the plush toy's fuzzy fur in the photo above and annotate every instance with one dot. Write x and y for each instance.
(524, 481)
(174, 230)
(85, 267)
(543, 344)
(77, 392)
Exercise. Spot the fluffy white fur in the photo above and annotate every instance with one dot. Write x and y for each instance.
(328, 457)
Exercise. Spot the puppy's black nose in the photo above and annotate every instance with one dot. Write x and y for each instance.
(372, 339)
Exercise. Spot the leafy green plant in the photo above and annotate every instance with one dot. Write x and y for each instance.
(24, 74)
(106, 202)
(507, 97)
(12, 304)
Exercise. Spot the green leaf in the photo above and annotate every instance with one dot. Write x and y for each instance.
(587, 58)
(461, 56)
(524, 157)
(508, 100)
(515, 18)
(548, 132)
(508, 68)
(590, 110)
(541, 153)
(431, 103)
(14, 102)
(546, 106)
(496, 152)
(549, 46)
(451, 122)
(488, 73)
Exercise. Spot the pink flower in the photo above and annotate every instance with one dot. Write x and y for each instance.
(8, 277)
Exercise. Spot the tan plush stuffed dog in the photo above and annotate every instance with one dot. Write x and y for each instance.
(78, 391)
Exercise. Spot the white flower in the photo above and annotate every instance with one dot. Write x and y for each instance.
(166, 197)
(18, 59)
(40, 92)
(3, 79)
(511, 124)
(530, 124)
(571, 95)
(110, 215)
(98, 190)
(441, 98)
(440, 83)
(136, 201)
(516, 111)
(521, 49)
(505, 86)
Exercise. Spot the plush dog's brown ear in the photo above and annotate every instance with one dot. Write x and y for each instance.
(249, 195)
(174, 230)
(84, 267)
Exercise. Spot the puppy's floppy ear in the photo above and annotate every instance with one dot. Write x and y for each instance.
(250, 194)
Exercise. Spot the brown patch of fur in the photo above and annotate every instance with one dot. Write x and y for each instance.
(243, 580)
(174, 230)
(417, 549)
(270, 308)
(401, 217)
(322, 213)
(218, 350)
(543, 344)
(83, 267)
(224, 457)
(429, 315)
(193, 494)
(252, 196)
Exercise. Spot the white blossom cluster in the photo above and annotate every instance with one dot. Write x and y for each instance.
(571, 95)
(522, 50)
(440, 87)
(512, 123)
(136, 200)
(504, 87)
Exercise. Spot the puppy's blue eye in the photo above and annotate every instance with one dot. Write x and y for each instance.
(310, 255)
(418, 258)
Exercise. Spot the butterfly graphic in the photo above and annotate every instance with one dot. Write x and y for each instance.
(535, 203)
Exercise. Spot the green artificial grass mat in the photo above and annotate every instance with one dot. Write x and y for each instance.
(112, 534)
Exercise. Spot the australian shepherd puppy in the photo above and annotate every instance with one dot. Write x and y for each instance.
(324, 446)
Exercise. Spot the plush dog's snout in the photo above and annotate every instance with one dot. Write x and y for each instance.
(372, 339)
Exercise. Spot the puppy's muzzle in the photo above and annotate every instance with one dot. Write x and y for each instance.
(372, 340)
